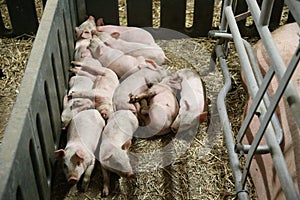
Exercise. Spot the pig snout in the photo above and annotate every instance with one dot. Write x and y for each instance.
(130, 175)
(72, 180)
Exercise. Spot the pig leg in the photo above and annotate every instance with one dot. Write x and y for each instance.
(87, 176)
(89, 68)
(106, 182)
(82, 73)
(143, 95)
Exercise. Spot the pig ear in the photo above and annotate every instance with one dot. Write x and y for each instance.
(78, 32)
(107, 156)
(98, 51)
(126, 145)
(152, 63)
(91, 18)
(80, 154)
(59, 154)
(66, 98)
(86, 34)
(100, 22)
(115, 35)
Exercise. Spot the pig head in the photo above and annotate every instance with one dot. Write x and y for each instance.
(83, 136)
(115, 142)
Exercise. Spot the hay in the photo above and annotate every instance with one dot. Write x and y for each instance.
(14, 53)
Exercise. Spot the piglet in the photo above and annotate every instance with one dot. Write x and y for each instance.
(106, 81)
(115, 142)
(192, 101)
(152, 52)
(78, 156)
(114, 59)
(135, 82)
(161, 110)
(74, 106)
(71, 108)
(130, 34)
(85, 29)
(81, 51)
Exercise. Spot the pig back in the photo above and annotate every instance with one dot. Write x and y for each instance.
(120, 127)
(135, 82)
(86, 126)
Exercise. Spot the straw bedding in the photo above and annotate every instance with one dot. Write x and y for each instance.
(201, 171)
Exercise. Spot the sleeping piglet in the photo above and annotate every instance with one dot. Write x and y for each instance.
(192, 101)
(162, 108)
(78, 156)
(151, 52)
(130, 34)
(115, 59)
(72, 107)
(115, 142)
(105, 83)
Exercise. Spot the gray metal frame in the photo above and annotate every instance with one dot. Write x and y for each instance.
(258, 91)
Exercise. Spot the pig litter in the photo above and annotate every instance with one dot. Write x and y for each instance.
(201, 172)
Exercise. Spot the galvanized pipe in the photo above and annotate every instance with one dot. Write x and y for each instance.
(291, 92)
(278, 159)
(242, 148)
(229, 140)
(289, 188)
(265, 15)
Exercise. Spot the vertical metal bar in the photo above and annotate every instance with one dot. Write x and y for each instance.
(224, 23)
(291, 92)
(285, 178)
(266, 12)
(229, 141)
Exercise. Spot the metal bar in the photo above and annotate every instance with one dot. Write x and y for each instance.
(255, 103)
(242, 148)
(290, 92)
(278, 159)
(265, 15)
(286, 180)
(294, 7)
(229, 141)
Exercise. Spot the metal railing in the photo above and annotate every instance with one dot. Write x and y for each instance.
(269, 124)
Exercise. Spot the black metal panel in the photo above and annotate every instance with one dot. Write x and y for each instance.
(106, 9)
(276, 14)
(139, 13)
(250, 30)
(23, 16)
(173, 14)
(203, 16)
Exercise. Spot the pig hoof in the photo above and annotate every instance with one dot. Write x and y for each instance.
(105, 192)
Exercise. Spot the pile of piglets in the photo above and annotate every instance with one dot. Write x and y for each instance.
(118, 87)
